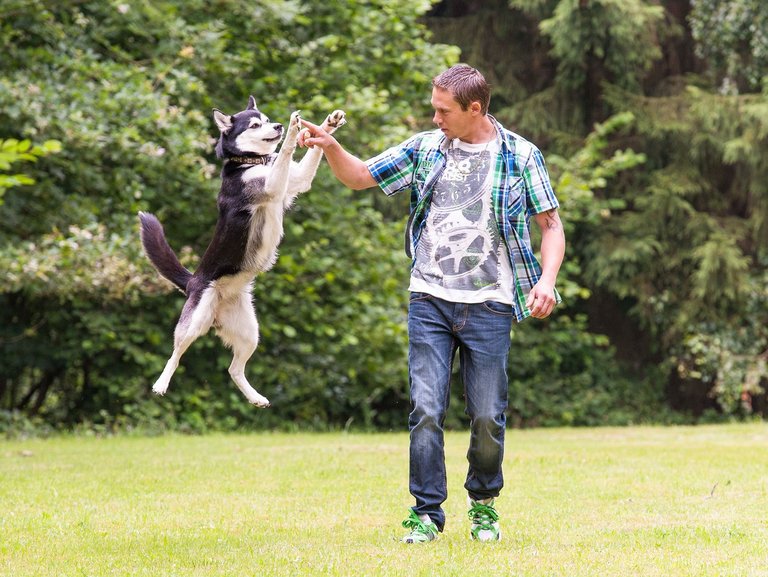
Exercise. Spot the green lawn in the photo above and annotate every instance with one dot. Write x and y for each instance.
(640, 502)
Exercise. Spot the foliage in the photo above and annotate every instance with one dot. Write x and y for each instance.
(126, 88)
(564, 374)
(333, 325)
(12, 151)
(569, 374)
(730, 360)
(667, 256)
(560, 371)
(619, 36)
(732, 37)
(598, 41)
(689, 249)
(661, 180)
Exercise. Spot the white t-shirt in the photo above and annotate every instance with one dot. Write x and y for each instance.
(460, 256)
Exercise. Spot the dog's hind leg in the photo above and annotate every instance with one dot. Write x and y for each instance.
(237, 326)
(196, 318)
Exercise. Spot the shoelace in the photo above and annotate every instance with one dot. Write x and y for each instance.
(483, 515)
(415, 524)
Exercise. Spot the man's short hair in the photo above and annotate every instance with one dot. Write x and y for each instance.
(466, 84)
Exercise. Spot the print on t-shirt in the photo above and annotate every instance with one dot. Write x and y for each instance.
(459, 247)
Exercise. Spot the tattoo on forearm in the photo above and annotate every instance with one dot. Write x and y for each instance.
(552, 220)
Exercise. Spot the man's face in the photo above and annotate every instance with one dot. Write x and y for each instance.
(449, 117)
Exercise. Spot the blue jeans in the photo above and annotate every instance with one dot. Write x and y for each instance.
(481, 333)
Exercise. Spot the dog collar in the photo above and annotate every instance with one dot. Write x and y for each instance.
(249, 159)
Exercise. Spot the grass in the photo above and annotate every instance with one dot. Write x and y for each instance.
(578, 502)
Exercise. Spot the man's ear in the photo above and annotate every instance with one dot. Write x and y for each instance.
(223, 121)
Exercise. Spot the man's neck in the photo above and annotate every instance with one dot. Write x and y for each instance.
(484, 132)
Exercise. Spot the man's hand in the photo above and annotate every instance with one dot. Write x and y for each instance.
(323, 132)
(541, 300)
(312, 135)
(349, 169)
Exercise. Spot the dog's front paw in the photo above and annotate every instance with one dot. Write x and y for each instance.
(295, 123)
(335, 119)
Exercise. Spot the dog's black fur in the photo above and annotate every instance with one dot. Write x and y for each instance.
(257, 186)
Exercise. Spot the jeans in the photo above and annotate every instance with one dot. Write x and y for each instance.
(481, 333)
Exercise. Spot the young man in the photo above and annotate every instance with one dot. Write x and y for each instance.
(474, 186)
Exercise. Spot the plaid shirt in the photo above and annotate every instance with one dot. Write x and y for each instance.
(521, 189)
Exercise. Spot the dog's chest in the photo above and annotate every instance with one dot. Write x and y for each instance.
(256, 172)
(264, 236)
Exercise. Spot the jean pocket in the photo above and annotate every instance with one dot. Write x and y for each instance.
(498, 308)
(418, 296)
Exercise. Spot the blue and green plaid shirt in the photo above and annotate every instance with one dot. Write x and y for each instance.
(521, 188)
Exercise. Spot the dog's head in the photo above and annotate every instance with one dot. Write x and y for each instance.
(246, 133)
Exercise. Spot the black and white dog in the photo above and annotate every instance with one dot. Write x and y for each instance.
(257, 186)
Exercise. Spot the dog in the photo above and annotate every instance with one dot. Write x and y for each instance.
(257, 186)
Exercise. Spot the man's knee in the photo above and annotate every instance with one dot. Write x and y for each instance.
(426, 418)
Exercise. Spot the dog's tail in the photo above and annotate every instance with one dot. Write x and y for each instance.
(160, 253)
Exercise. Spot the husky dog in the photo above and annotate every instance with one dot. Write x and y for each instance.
(257, 186)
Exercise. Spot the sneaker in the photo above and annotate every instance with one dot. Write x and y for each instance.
(422, 529)
(485, 521)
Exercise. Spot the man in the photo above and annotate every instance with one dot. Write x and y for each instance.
(474, 186)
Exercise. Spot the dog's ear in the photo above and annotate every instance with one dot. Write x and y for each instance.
(251, 103)
(223, 121)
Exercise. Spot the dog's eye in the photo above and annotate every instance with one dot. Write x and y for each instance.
(254, 123)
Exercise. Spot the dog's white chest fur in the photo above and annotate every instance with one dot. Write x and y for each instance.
(264, 237)
(254, 172)
(266, 229)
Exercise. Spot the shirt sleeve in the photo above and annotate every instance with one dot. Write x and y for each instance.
(540, 196)
(393, 169)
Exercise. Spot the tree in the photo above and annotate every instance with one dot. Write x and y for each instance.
(598, 41)
(732, 37)
(673, 267)
(689, 250)
(127, 88)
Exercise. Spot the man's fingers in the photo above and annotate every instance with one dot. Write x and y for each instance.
(308, 136)
(304, 136)
(540, 312)
(541, 306)
(313, 128)
(530, 299)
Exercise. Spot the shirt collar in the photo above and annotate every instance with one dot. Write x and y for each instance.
(501, 137)
(444, 143)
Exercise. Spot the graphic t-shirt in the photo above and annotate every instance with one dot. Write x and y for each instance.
(461, 257)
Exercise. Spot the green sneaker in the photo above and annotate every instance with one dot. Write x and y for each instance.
(485, 522)
(421, 531)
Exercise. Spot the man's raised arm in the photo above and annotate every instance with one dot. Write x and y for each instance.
(349, 169)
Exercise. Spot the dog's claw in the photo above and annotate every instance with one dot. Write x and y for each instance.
(159, 390)
(337, 118)
(259, 401)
